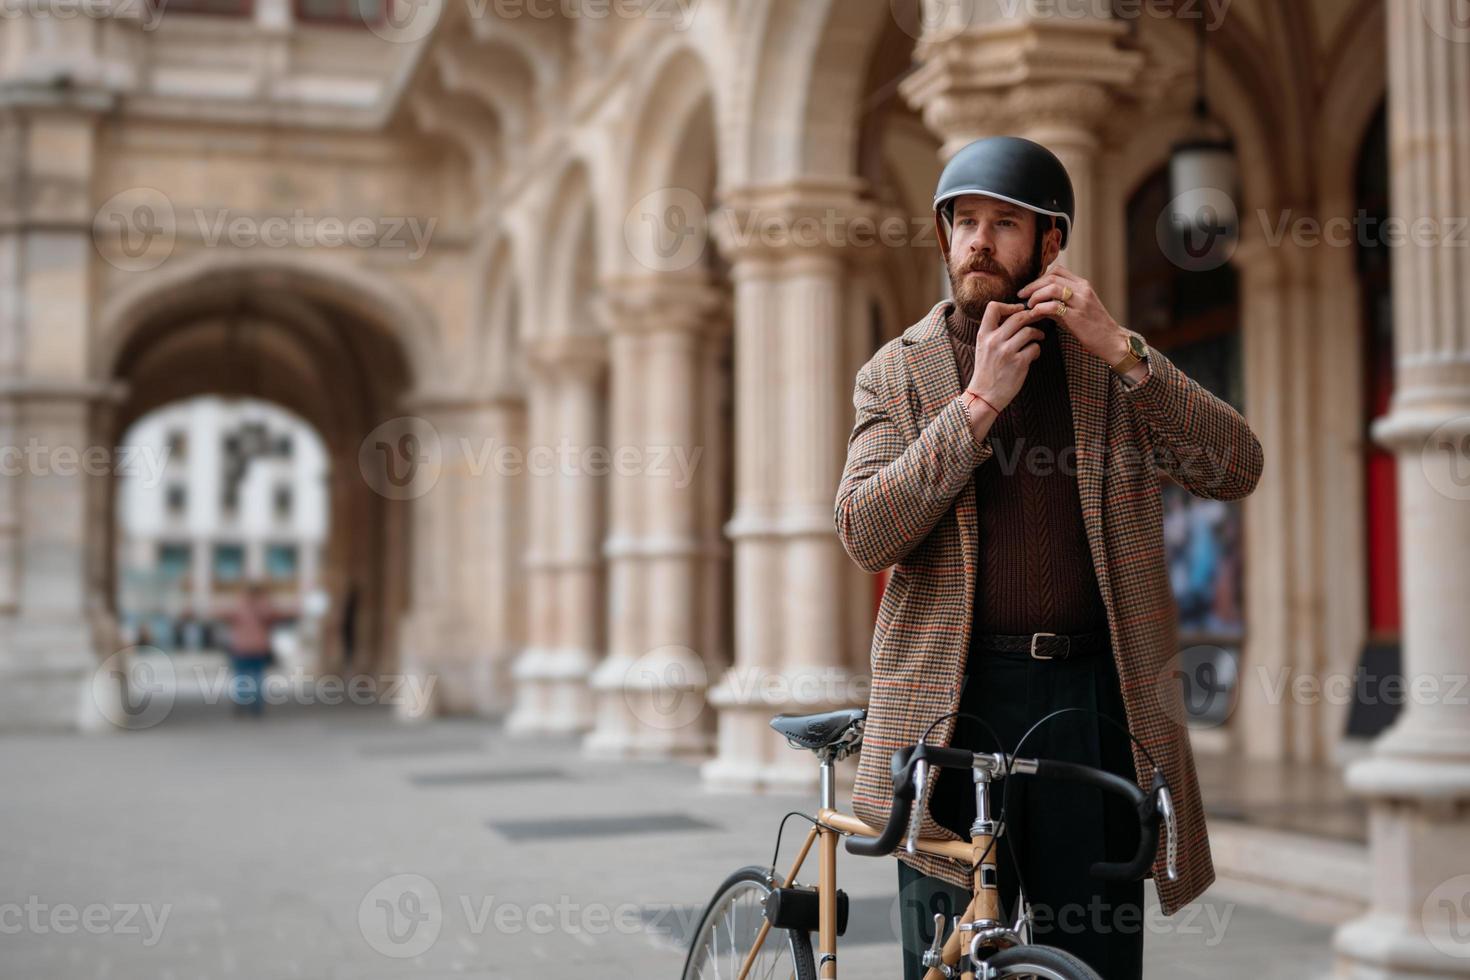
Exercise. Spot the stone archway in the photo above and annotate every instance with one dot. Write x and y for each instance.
(338, 349)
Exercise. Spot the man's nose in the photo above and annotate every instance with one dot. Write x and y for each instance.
(982, 241)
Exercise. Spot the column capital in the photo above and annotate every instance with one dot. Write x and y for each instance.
(1019, 75)
(1270, 259)
(680, 304)
(581, 354)
(824, 222)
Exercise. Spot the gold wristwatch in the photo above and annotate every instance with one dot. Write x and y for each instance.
(1137, 352)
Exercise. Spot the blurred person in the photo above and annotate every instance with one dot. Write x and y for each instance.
(1022, 585)
(349, 623)
(250, 623)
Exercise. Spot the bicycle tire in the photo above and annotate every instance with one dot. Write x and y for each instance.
(752, 882)
(1041, 962)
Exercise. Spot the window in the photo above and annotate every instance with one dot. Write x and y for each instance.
(178, 444)
(1192, 315)
(174, 561)
(176, 499)
(223, 8)
(342, 11)
(229, 564)
(281, 562)
(281, 501)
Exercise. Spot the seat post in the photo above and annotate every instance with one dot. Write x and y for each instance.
(827, 791)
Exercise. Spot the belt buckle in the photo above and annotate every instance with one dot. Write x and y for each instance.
(1034, 654)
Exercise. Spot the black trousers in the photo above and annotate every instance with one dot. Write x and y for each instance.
(1056, 830)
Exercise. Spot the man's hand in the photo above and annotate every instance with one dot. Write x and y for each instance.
(1085, 316)
(1004, 351)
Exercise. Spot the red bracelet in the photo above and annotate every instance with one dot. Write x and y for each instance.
(976, 394)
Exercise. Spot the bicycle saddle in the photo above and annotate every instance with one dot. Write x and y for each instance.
(820, 730)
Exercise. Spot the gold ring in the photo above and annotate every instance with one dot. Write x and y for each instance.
(1061, 309)
(1066, 293)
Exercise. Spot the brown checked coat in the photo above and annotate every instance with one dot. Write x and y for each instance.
(907, 500)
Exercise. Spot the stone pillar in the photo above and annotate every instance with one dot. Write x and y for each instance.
(564, 558)
(1282, 332)
(51, 618)
(792, 646)
(1417, 777)
(613, 735)
(651, 689)
(977, 80)
(468, 593)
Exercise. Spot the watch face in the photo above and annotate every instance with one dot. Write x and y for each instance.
(1136, 345)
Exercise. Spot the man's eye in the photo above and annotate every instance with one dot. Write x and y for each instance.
(1007, 222)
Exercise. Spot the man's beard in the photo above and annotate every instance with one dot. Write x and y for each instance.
(973, 293)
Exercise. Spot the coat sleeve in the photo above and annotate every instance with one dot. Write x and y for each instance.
(892, 493)
(1198, 439)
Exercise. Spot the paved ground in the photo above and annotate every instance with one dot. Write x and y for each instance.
(335, 843)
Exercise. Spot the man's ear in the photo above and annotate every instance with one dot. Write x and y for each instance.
(1051, 247)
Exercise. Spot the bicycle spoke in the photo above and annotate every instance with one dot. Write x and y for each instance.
(729, 935)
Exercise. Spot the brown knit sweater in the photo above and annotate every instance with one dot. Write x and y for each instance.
(1035, 571)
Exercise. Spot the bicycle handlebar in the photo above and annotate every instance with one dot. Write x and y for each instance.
(1148, 806)
(897, 813)
(1145, 805)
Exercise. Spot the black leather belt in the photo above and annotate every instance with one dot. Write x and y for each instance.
(1044, 646)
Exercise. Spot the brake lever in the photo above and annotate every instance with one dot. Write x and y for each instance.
(1171, 846)
(921, 778)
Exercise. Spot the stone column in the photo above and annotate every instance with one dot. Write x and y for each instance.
(469, 595)
(651, 692)
(1281, 335)
(51, 618)
(564, 558)
(1417, 777)
(613, 735)
(792, 645)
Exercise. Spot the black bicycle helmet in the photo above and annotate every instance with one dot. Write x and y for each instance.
(1007, 168)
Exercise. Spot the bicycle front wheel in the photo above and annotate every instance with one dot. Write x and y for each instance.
(1042, 962)
(729, 929)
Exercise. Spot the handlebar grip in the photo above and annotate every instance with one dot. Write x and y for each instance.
(898, 813)
(903, 794)
(1143, 804)
(945, 757)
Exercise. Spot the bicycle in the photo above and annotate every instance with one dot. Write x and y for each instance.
(996, 950)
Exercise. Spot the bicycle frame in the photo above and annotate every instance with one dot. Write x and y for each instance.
(832, 824)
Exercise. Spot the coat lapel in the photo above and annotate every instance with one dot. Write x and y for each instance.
(1088, 386)
(936, 380)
